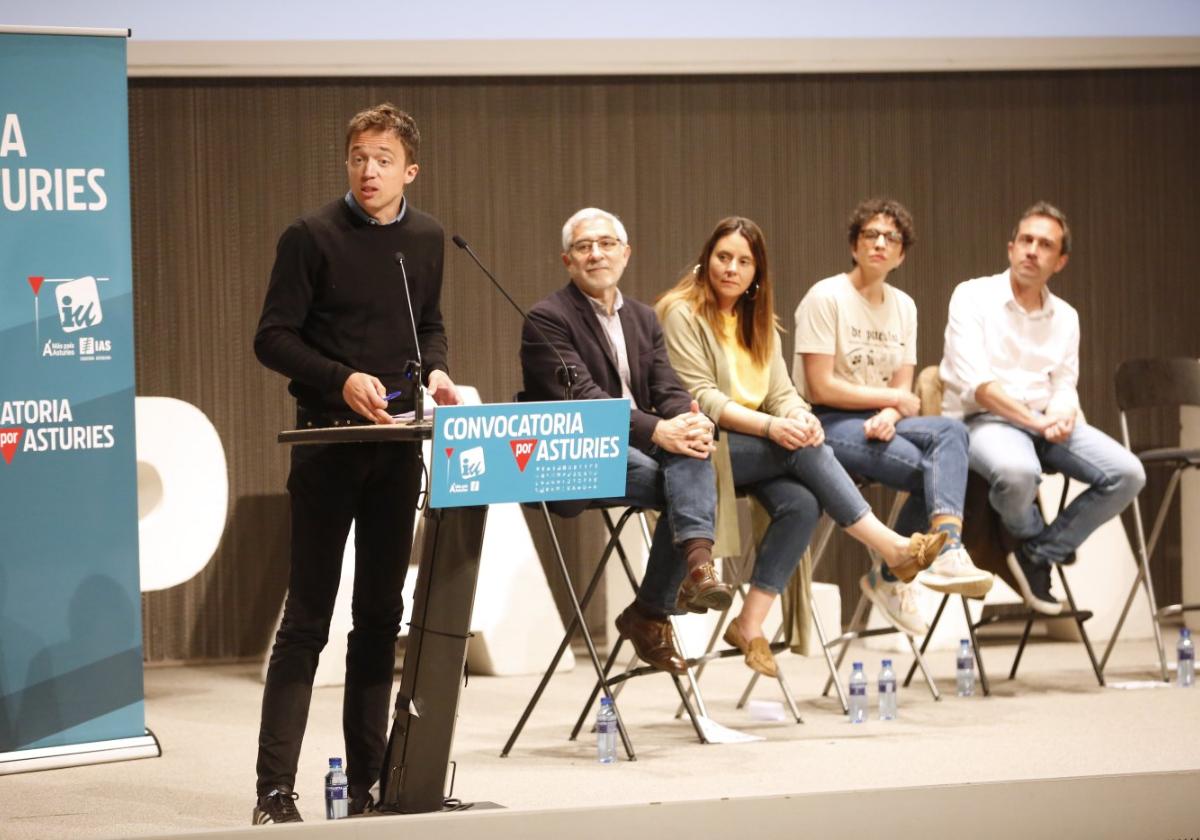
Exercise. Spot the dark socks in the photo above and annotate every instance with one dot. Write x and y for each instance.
(697, 551)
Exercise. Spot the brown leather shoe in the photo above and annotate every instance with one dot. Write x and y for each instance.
(701, 590)
(757, 651)
(653, 640)
(922, 549)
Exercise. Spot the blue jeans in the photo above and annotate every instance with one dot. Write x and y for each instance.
(927, 458)
(1012, 460)
(685, 490)
(794, 486)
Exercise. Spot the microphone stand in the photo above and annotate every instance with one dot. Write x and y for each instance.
(413, 370)
(566, 374)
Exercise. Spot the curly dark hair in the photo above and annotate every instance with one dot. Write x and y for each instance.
(872, 207)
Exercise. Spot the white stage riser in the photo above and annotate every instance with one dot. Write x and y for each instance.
(1151, 805)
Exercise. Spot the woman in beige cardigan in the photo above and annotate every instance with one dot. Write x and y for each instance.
(721, 333)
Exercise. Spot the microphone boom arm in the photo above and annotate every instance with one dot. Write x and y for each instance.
(566, 373)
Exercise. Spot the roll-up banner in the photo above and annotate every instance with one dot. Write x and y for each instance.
(70, 607)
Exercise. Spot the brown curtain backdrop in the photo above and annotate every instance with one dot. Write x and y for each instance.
(220, 167)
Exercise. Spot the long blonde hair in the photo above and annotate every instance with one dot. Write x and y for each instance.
(755, 309)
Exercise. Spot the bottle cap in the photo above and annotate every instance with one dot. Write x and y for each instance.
(887, 663)
(1185, 633)
(335, 762)
(857, 666)
(605, 701)
(965, 642)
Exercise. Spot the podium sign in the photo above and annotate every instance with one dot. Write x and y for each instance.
(529, 452)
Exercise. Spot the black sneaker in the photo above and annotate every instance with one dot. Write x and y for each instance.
(278, 806)
(362, 802)
(1033, 579)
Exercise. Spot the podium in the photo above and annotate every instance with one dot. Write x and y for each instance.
(482, 454)
(418, 751)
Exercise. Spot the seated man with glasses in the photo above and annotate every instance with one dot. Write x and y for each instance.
(613, 348)
(856, 349)
(1011, 364)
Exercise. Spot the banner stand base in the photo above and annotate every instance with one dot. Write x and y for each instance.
(75, 755)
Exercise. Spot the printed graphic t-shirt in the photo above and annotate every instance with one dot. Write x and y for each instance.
(868, 343)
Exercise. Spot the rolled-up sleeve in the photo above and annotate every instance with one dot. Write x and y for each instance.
(1064, 378)
(965, 365)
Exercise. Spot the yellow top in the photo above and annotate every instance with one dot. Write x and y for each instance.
(748, 381)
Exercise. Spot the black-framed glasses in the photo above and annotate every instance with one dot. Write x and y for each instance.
(894, 237)
(583, 247)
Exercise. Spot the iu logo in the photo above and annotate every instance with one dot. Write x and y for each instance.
(78, 304)
(471, 463)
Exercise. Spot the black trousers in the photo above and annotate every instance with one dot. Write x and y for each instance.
(375, 485)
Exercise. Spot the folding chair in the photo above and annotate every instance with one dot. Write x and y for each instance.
(603, 682)
(986, 541)
(857, 628)
(1147, 384)
(744, 563)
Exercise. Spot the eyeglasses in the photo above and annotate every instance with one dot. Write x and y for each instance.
(583, 247)
(894, 237)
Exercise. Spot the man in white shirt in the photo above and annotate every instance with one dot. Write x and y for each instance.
(1011, 364)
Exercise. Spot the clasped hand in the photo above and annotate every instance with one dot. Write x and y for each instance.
(881, 426)
(1056, 427)
(688, 434)
(800, 430)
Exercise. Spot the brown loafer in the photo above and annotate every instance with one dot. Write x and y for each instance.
(922, 549)
(757, 652)
(701, 590)
(653, 640)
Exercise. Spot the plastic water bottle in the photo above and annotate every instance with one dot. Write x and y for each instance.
(606, 732)
(858, 695)
(887, 691)
(966, 669)
(337, 802)
(1186, 658)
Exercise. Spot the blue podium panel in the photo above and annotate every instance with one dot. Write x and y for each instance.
(529, 452)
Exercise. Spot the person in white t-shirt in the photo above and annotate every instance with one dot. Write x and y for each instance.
(1011, 364)
(856, 348)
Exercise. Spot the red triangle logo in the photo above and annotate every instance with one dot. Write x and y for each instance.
(9, 438)
(35, 283)
(449, 451)
(523, 450)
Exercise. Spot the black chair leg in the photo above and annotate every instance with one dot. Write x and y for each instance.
(1021, 647)
(912, 669)
(983, 677)
(1080, 618)
(577, 623)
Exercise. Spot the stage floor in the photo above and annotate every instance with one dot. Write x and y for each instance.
(1053, 722)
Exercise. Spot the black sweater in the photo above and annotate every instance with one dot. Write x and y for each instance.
(336, 303)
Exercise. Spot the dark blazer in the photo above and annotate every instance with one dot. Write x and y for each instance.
(568, 320)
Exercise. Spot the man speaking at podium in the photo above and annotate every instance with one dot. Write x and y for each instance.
(352, 316)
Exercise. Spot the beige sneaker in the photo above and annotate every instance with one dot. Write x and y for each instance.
(896, 601)
(953, 572)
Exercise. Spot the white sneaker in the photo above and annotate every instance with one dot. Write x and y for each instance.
(953, 572)
(896, 601)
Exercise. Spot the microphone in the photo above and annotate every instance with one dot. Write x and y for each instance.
(566, 373)
(412, 370)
